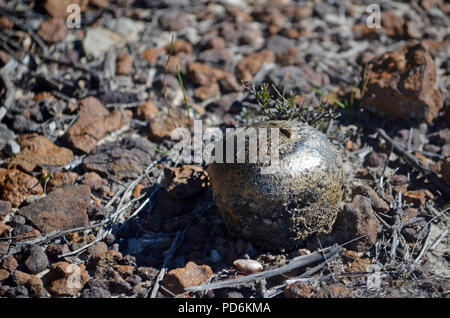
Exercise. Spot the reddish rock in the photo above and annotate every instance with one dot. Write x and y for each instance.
(31, 282)
(60, 179)
(207, 91)
(445, 170)
(16, 186)
(4, 275)
(124, 270)
(105, 260)
(30, 235)
(4, 228)
(215, 43)
(54, 250)
(358, 219)
(191, 275)
(6, 23)
(95, 182)
(229, 84)
(417, 197)
(124, 64)
(53, 30)
(336, 290)
(250, 65)
(147, 111)
(359, 265)
(162, 126)
(202, 74)
(66, 279)
(9, 263)
(58, 8)
(298, 290)
(185, 181)
(399, 179)
(63, 209)
(43, 96)
(151, 55)
(94, 123)
(37, 150)
(401, 85)
(392, 24)
(378, 204)
(409, 214)
(98, 250)
(180, 46)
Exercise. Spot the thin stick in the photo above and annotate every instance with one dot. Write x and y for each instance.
(300, 262)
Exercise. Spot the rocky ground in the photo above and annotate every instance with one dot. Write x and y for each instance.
(92, 204)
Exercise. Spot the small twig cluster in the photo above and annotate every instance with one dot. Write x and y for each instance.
(274, 105)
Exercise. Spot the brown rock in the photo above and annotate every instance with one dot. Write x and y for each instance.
(361, 30)
(4, 57)
(298, 290)
(180, 46)
(401, 85)
(174, 65)
(4, 274)
(335, 291)
(250, 65)
(58, 8)
(378, 204)
(108, 259)
(215, 43)
(93, 124)
(417, 197)
(62, 209)
(60, 179)
(445, 170)
(185, 181)
(9, 263)
(98, 250)
(53, 30)
(124, 64)
(95, 182)
(28, 235)
(37, 150)
(202, 74)
(54, 250)
(359, 265)
(16, 186)
(392, 24)
(229, 84)
(162, 126)
(31, 282)
(124, 270)
(357, 219)
(123, 159)
(399, 179)
(147, 111)
(4, 228)
(43, 96)
(150, 55)
(409, 214)
(191, 275)
(66, 279)
(6, 23)
(207, 91)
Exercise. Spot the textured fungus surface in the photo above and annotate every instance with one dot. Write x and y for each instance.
(282, 209)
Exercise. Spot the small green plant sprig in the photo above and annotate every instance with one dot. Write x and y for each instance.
(273, 105)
